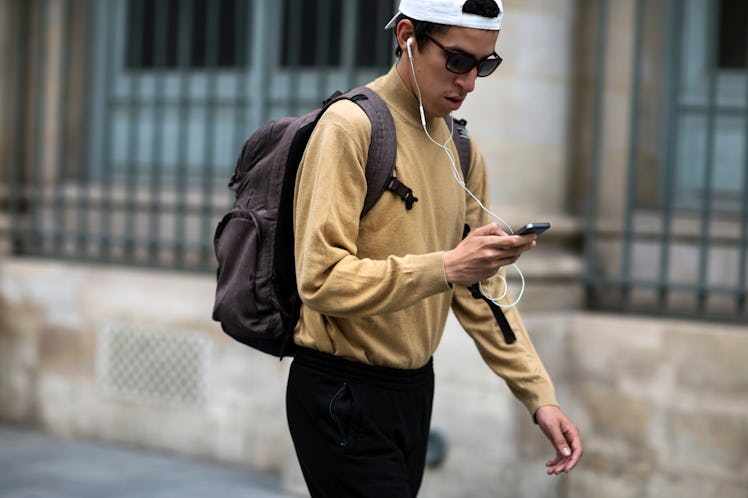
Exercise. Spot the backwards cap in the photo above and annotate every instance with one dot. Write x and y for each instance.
(448, 12)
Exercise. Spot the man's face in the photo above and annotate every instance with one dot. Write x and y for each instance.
(442, 90)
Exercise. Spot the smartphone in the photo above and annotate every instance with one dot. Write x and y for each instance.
(536, 228)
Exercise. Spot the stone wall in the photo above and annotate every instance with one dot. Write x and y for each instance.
(662, 405)
(132, 357)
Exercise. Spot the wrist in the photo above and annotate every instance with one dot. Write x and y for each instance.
(448, 263)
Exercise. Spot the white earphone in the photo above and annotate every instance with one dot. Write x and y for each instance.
(462, 184)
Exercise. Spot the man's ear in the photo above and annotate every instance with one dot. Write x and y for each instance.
(405, 30)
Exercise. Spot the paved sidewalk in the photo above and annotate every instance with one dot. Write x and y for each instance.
(37, 465)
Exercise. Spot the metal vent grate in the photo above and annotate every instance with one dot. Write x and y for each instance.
(145, 364)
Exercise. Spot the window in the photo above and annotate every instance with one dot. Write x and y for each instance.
(150, 108)
(171, 34)
(314, 29)
(669, 209)
(733, 34)
(305, 44)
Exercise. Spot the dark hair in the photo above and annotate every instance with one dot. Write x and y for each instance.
(484, 8)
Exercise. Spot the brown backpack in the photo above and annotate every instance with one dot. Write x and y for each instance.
(256, 298)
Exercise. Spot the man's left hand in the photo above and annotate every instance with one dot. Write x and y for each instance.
(563, 435)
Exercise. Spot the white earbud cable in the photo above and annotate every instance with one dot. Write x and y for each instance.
(461, 183)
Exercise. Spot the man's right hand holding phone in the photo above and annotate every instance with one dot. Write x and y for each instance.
(483, 252)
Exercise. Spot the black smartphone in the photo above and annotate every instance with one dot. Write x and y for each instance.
(536, 228)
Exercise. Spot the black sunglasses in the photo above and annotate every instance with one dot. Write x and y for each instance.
(461, 62)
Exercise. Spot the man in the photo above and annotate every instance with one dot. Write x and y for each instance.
(377, 290)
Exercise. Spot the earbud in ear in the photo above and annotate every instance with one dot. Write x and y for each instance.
(408, 44)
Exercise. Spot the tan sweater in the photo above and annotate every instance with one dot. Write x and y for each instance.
(374, 289)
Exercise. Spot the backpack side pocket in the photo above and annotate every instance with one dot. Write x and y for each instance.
(244, 302)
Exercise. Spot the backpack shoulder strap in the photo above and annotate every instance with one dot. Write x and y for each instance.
(380, 162)
(462, 142)
(498, 313)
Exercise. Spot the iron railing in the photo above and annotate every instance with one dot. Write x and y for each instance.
(676, 243)
(127, 117)
(129, 114)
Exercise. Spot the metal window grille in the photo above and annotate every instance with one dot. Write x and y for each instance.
(674, 239)
(128, 115)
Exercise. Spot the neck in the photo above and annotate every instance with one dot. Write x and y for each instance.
(406, 74)
(406, 71)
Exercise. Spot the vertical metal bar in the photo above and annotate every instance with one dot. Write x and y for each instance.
(132, 159)
(17, 146)
(294, 45)
(706, 213)
(59, 204)
(242, 21)
(385, 47)
(743, 247)
(633, 147)
(90, 86)
(598, 113)
(350, 40)
(267, 22)
(211, 65)
(742, 287)
(673, 53)
(184, 43)
(36, 196)
(323, 34)
(104, 161)
(159, 107)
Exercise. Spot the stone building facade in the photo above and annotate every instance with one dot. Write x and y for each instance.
(128, 353)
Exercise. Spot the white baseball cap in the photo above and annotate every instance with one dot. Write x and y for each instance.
(448, 12)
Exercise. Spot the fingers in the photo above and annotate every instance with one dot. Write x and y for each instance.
(563, 456)
(566, 458)
(495, 229)
(563, 463)
(482, 253)
(571, 434)
(565, 439)
(490, 229)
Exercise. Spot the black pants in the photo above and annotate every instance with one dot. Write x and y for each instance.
(358, 430)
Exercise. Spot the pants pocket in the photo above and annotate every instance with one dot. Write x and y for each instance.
(342, 410)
